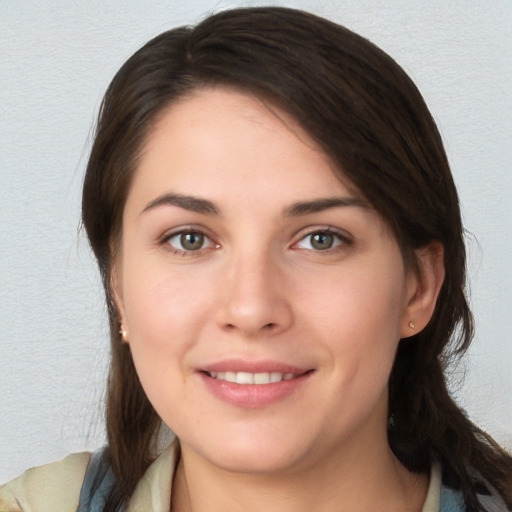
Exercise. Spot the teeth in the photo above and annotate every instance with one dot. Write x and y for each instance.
(276, 377)
(252, 378)
(261, 378)
(244, 378)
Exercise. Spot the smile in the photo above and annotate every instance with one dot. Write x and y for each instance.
(254, 389)
(252, 378)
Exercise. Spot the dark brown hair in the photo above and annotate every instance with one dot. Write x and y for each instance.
(369, 117)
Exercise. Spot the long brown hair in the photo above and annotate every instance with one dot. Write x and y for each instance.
(369, 117)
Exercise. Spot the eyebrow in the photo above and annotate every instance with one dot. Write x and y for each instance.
(319, 205)
(193, 204)
(205, 207)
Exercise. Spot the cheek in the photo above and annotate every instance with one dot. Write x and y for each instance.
(359, 319)
(163, 316)
(367, 304)
(160, 300)
(164, 313)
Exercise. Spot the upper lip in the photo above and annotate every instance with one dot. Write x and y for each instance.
(262, 366)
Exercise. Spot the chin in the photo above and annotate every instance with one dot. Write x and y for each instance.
(256, 462)
(249, 455)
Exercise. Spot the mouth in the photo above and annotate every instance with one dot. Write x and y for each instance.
(251, 384)
(254, 389)
(261, 378)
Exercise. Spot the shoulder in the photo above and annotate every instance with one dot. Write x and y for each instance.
(54, 487)
(451, 499)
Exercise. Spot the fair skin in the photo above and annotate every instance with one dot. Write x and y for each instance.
(242, 252)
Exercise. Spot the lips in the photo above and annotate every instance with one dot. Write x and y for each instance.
(248, 384)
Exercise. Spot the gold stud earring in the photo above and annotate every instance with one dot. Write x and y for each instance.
(124, 335)
(411, 325)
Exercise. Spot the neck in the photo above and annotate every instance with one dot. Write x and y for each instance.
(364, 478)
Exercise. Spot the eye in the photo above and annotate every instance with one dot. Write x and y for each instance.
(321, 241)
(188, 241)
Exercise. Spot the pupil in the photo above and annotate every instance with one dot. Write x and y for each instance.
(192, 241)
(322, 241)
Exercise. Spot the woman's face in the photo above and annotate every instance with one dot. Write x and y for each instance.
(262, 298)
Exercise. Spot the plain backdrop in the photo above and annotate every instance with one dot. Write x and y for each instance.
(56, 59)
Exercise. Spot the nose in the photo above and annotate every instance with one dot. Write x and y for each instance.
(253, 300)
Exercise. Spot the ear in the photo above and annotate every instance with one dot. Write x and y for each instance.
(117, 296)
(423, 288)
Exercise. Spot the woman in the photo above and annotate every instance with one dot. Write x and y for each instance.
(281, 247)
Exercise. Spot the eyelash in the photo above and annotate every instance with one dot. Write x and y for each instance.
(165, 241)
(342, 241)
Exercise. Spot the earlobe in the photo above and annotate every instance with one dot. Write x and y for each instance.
(117, 297)
(124, 334)
(423, 289)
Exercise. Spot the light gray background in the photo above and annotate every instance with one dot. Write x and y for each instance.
(57, 59)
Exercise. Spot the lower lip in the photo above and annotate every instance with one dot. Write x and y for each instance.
(253, 396)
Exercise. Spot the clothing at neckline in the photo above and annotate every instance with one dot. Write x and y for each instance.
(80, 482)
(156, 485)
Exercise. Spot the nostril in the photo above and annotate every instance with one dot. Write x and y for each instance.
(269, 326)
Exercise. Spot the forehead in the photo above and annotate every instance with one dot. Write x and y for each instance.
(225, 136)
(204, 111)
